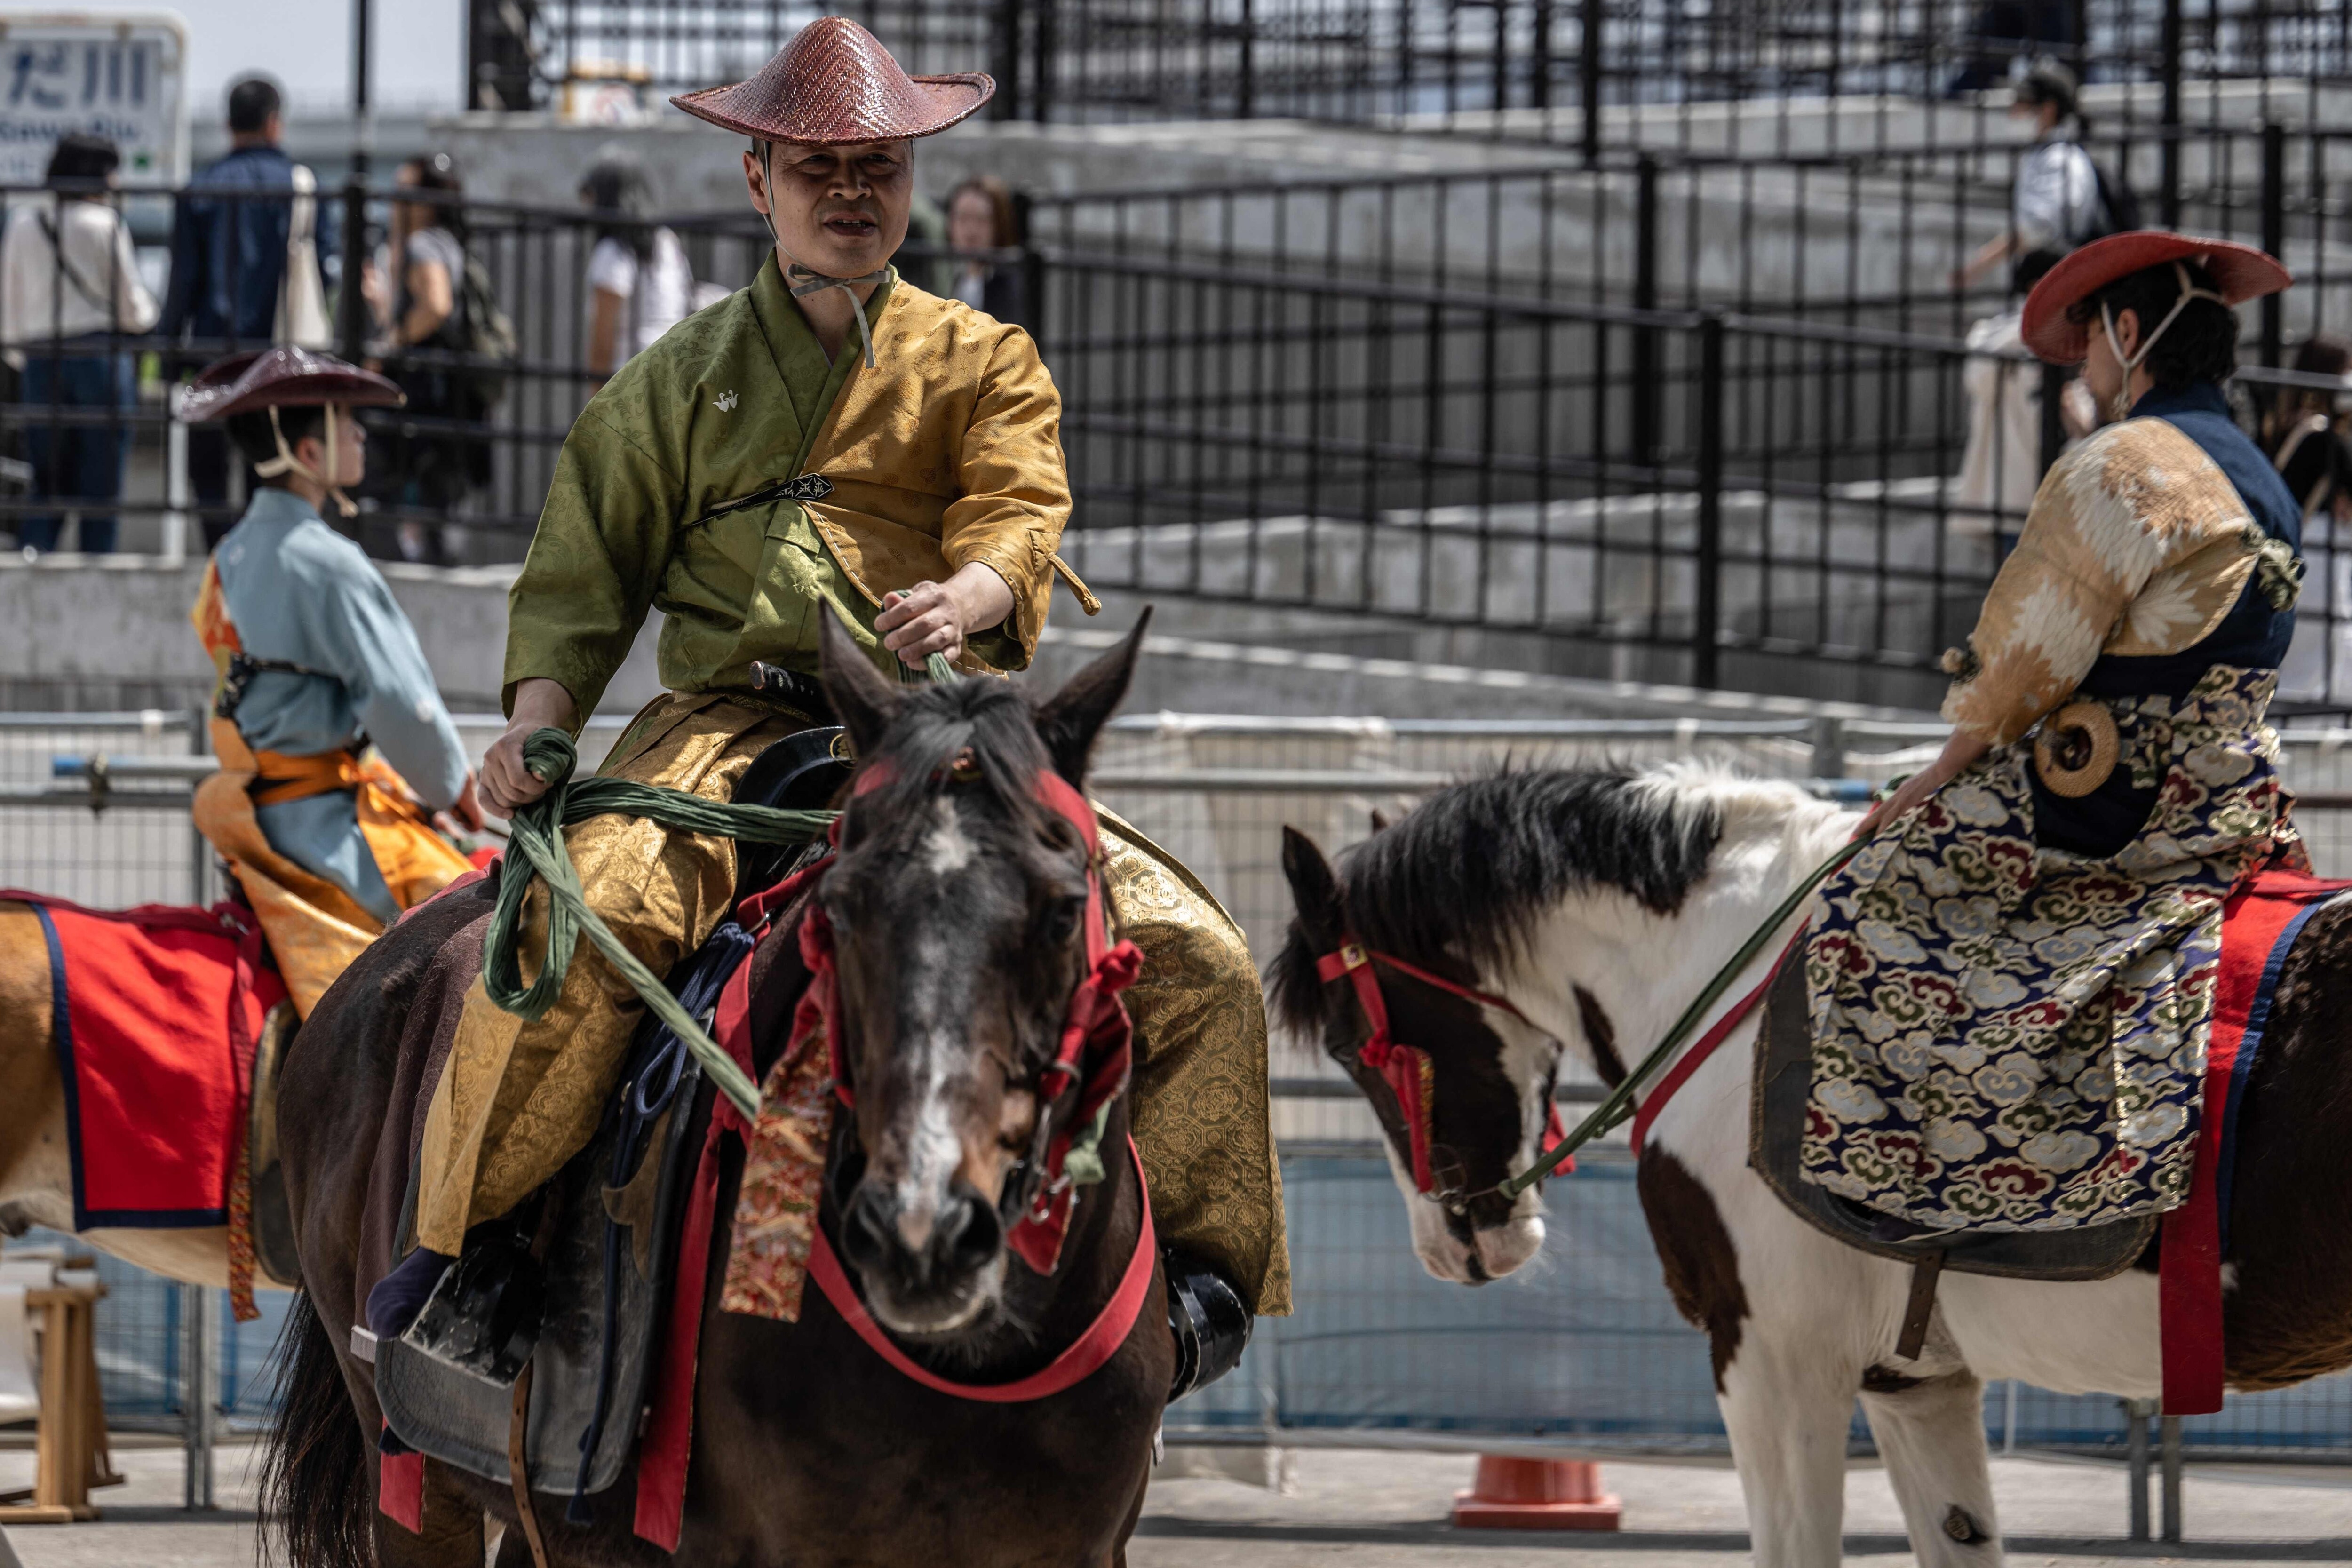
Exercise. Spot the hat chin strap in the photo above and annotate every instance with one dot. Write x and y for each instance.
(804, 279)
(2120, 408)
(286, 462)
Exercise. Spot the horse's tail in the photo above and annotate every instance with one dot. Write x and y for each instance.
(314, 1476)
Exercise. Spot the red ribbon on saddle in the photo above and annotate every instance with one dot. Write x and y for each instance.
(1407, 1069)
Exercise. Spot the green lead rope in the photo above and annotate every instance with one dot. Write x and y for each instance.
(536, 851)
(1619, 1106)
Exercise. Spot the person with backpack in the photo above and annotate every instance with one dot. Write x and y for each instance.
(252, 248)
(69, 290)
(2061, 199)
(438, 299)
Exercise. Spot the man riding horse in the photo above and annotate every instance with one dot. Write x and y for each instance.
(830, 442)
(316, 662)
(2013, 983)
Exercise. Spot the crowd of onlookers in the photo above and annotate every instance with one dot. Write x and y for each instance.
(256, 258)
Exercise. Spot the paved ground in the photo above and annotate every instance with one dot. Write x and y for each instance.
(1388, 1510)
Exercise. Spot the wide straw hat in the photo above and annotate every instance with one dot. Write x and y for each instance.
(2239, 273)
(835, 83)
(279, 378)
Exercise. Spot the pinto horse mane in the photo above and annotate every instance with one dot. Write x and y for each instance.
(1465, 875)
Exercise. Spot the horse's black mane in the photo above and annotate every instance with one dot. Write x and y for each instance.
(1462, 875)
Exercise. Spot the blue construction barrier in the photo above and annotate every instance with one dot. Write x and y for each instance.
(1583, 1346)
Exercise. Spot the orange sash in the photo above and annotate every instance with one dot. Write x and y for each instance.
(315, 927)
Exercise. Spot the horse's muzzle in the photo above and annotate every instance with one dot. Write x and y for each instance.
(925, 1272)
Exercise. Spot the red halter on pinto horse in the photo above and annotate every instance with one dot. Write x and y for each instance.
(959, 917)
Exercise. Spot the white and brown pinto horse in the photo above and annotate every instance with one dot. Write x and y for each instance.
(1595, 905)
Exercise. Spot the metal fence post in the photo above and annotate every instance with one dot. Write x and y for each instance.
(2136, 1413)
(197, 1394)
(199, 848)
(1588, 66)
(2169, 1462)
(1645, 297)
(2054, 422)
(1829, 749)
(1707, 607)
(1004, 61)
(1246, 94)
(353, 304)
(1041, 62)
(2168, 49)
(2273, 231)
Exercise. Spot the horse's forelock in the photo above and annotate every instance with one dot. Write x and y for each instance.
(985, 718)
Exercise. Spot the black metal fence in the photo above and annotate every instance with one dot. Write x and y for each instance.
(1691, 419)
(1595, 74)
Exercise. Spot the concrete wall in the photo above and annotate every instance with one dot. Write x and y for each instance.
(85, 633)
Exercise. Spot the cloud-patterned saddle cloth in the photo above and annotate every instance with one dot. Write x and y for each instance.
(2006, 1037)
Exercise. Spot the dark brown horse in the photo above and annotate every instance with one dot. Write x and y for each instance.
(955, 902)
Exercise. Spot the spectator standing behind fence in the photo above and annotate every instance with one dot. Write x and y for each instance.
(2002, 467)
(423, 296)
(2305, 437)
(640, 284)
(982, 218)
(2059, 200)
(252, 246)
(69, 288)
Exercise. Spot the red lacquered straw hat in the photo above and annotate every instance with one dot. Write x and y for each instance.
(282, 377)
(2239, 272)
(835, 83)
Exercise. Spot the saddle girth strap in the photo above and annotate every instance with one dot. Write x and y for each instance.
(518, 1467)
(1920, 1306)
(281, 778)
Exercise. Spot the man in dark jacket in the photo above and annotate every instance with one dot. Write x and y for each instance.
(228, 267)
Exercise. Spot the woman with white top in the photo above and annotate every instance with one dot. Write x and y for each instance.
(2056, 203)
(640, 284)
(70, 288)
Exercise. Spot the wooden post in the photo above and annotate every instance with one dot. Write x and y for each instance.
(71, 1446)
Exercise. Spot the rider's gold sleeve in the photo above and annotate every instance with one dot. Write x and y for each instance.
(2136, 544)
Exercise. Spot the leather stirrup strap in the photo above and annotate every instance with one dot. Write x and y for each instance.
(1921, 1307)
(519, 1465)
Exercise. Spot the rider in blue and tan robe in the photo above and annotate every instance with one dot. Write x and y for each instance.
(334, 746)
(2011, 986)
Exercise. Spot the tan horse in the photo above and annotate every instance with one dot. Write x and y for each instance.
(35, 1160)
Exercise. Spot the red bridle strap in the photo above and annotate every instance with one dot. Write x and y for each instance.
(1696, 1058)
(1407, 1069)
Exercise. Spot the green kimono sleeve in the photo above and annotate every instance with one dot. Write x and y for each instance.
(603, 542)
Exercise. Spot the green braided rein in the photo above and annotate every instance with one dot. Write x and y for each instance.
(537, 852)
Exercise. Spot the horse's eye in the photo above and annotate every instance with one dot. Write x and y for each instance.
(1061, 920)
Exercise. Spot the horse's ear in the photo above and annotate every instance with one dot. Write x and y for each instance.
(1380, 820)
(863, 698)
(1069, 720)
(1312, 886)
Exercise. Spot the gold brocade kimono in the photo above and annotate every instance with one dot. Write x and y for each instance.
(734, 477)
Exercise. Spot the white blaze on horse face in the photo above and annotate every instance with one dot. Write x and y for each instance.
(948, 849)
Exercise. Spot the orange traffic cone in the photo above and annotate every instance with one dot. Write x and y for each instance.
(1536, 1494)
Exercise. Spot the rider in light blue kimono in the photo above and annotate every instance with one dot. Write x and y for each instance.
(318, 661)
